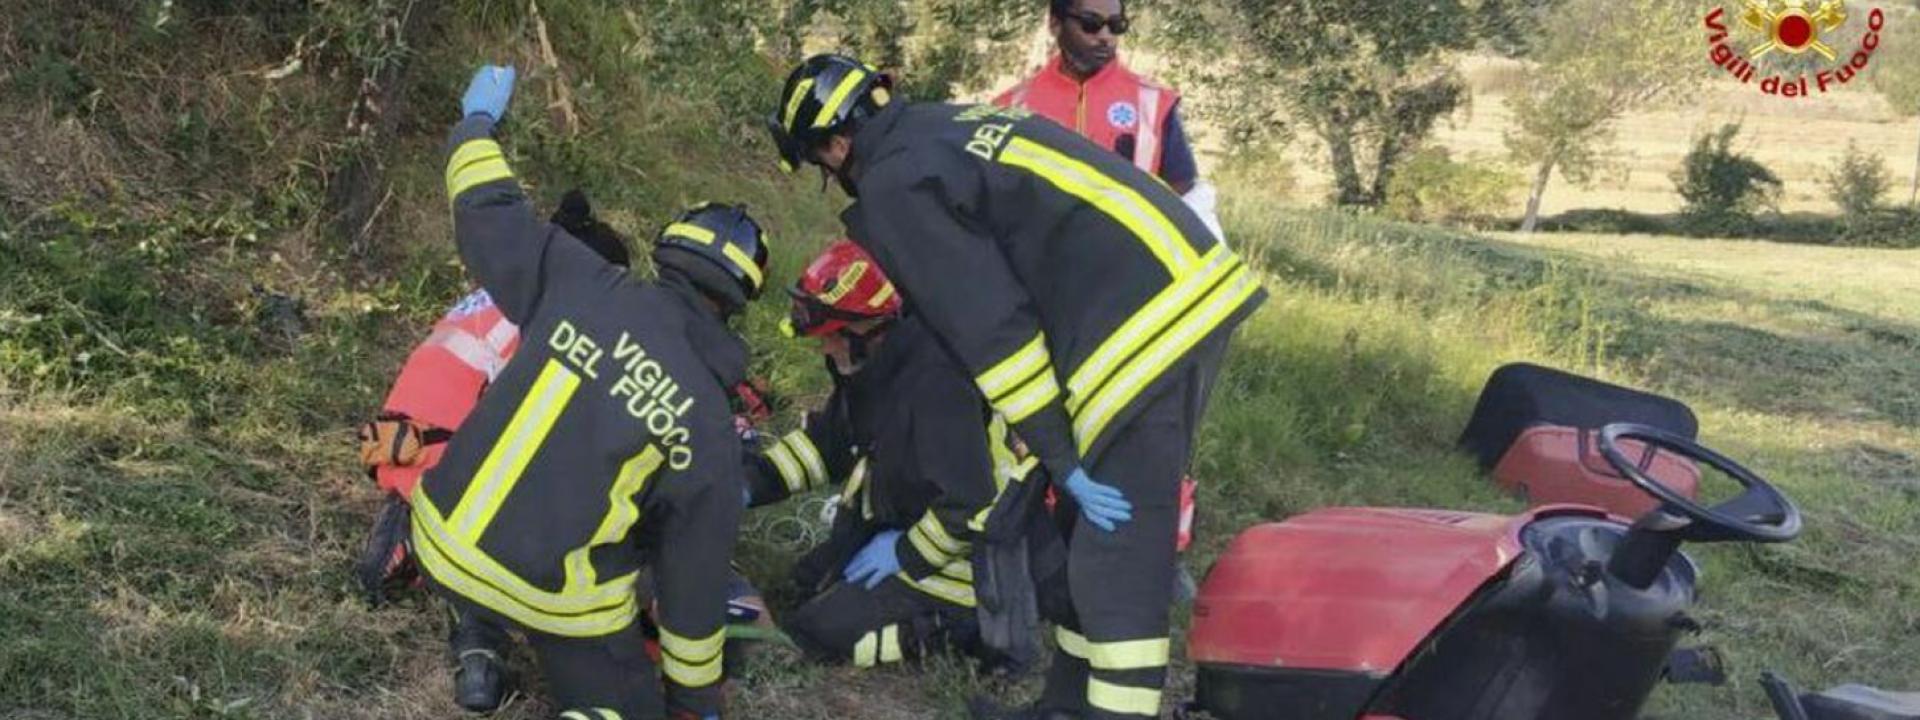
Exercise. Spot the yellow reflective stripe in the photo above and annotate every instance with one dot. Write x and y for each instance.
(693, 649)
(961, 570)
(745, 261)
(1120, 655)
(691, 232)
(944, 588)
(1015, 369)
(525, 605)
(1008, 468)
(927, 547)
(890, 644)
(809, 456)
(930, 524)
(839, 97)
(866, 652)
(881, 297)
(1037, 394)
(691, 675)
(485, 171)
(1103, 695)
(1071, 643)
(606, 714)
(800, 93)
(622, 513)
(1108, 195)
(430, 525)
(574, 715)
(856, 481)
(789, 467)
(692, 662)
(1160, 354)
(1163, 309)
(475, 162)
(515, 448)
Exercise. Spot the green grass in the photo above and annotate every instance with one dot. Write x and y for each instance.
(188, 335)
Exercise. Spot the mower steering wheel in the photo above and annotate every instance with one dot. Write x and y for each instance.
(1760, 514)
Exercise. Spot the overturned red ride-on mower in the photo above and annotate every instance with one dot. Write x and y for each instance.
(1564, 612)
(1534, 430)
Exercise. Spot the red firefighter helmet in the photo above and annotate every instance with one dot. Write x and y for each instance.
(842, 285)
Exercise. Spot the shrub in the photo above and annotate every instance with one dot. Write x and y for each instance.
(1431, 186)
(1723, 188)
(1857, 183)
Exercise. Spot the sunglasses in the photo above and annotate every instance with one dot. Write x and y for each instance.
(1090, 23)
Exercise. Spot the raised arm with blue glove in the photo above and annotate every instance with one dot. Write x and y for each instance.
(876, 562)
(1103, 505)
(488, 92)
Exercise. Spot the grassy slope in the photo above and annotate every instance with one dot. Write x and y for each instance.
(178, 502)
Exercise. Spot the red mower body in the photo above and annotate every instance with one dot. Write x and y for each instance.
(1559, 465)
(1393, 613)
(1345, 589)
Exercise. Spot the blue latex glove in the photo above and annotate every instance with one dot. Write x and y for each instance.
(1103, 505)
(488, 92)
(876, 562)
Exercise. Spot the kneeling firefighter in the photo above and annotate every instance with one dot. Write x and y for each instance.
(437, 388)
(922, 459)
(605, 444)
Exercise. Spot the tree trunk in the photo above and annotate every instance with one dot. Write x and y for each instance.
(1346, 173)
(1533, 198)
(1914, 197)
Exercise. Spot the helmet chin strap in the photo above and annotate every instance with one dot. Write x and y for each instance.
(839, 176)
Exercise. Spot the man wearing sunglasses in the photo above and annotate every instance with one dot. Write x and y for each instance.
(1086, 88)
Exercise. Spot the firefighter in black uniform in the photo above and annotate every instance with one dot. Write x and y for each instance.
(921, 458)
(1091, 307)
(605, 445)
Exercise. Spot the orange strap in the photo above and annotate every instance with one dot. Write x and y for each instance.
(391, 441)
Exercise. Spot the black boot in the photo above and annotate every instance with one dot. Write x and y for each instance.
(479, 684)
(479, 678)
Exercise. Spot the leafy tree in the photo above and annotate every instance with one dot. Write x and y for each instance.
(1857, 183)
(1723, 187)
(1367, 78)
(1433, 187)
(937, 48)
(1596, 60)
(1896, 74)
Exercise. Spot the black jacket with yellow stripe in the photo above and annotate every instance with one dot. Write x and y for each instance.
(930, 454)
(606, 444)
(1070, 284)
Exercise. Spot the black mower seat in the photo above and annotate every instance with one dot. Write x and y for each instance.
(1859, 702)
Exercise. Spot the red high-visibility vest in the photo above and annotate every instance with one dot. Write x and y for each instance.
(441, 381)
(1113, 103)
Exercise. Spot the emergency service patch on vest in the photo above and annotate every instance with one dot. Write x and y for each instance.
(1123, 115)
(474, 302)
(641, 383)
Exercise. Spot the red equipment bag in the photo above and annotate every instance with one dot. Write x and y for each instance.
(1535, 429)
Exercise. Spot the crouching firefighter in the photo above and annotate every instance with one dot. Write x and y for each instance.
(1087, 302)
(921, 458)
(603, 446)
(436, 389)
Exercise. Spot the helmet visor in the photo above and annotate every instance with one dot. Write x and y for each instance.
(792, 152)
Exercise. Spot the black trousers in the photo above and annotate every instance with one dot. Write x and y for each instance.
(891, 623)
(1110, 605)
(584, 675)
